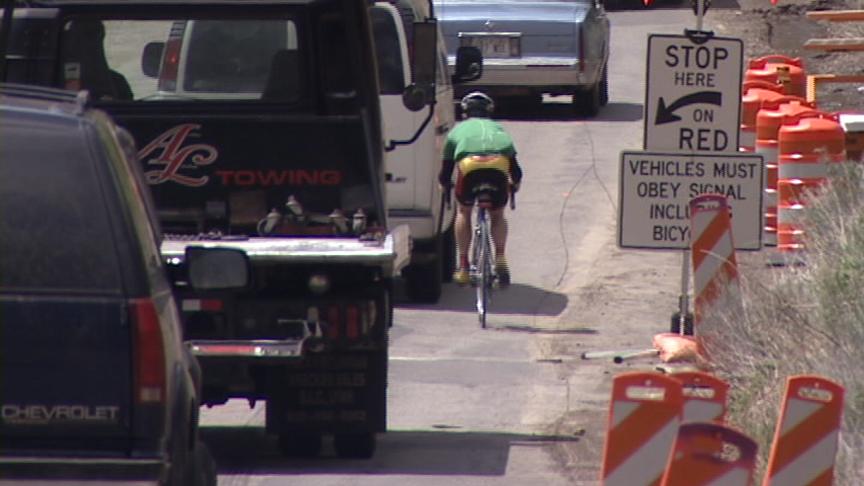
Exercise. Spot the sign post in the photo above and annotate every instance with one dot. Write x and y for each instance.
(692, 110)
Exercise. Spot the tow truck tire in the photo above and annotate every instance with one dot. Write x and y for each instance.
(300, 444)
(448, 254)
(355, 446)
(424, 280)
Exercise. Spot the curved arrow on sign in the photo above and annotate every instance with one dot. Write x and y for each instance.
(666, 114)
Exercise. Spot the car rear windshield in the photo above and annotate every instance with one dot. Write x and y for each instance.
(54, 230)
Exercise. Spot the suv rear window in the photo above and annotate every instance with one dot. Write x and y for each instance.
(54, 230)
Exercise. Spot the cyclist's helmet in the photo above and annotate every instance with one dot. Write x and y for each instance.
(477, 104)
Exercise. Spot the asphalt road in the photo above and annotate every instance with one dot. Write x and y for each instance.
(483, 407)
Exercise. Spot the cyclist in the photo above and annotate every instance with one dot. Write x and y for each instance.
(483, 153)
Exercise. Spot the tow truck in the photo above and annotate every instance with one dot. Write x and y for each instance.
(277, 151)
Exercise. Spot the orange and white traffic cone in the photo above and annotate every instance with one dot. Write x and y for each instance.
(644, 415)
(805, 439)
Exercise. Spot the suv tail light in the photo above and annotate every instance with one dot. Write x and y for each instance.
(170, 64)
(149, 352)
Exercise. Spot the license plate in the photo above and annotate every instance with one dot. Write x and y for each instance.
(494, 45)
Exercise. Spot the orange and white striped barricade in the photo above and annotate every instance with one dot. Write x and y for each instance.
(704, 396)
(644, 415)
(715, 271)
(805, 439)
(769, 119)
(710, 454)
(754, 93)
(807, 143)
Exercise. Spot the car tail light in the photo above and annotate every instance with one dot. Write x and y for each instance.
(149, 352)
(170, 65)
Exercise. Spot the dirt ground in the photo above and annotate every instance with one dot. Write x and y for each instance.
(624, 281)
(784, 28)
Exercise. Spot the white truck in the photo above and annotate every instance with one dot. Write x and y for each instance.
(413, 196)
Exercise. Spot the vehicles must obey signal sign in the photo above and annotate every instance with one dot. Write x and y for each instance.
(693, 93)
(656, 188)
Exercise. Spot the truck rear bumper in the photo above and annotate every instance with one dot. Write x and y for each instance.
(252, 351)
(534, 75)
(74, 471)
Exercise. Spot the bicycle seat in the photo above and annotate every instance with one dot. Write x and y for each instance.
(486, 186)
(484, 194)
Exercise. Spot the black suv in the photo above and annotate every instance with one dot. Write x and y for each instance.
(95, 381)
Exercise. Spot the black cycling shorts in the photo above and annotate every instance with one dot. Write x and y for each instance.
(488, 184)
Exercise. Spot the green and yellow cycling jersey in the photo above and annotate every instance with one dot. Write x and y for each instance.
(478, 136)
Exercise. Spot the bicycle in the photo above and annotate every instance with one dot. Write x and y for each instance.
(481, 269)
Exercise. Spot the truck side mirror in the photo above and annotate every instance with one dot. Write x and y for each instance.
(151, 58)
(469, 64)
(217, 268)
(424, 63)
(415, 97)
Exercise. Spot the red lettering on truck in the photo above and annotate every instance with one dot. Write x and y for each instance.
(170, 153)
(280, 177)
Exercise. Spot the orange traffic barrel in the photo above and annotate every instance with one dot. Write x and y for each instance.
(807, 142)
(754, 94)
(779, 69)
(769, 118)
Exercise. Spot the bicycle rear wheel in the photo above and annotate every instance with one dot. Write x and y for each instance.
(483, 264)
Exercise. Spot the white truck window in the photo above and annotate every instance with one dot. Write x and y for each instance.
(388, 51)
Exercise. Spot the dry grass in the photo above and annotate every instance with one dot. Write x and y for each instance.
(806, 319)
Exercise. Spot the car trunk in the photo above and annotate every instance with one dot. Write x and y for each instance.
(66, 381)
(547, 29)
